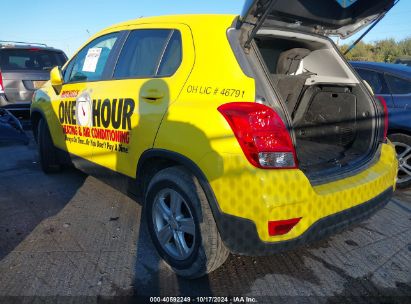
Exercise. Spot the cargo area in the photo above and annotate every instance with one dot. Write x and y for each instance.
(333, 117)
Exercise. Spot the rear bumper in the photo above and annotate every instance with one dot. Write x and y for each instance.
(15, 105)
(247, 199)
(240, 235)
(19, 109)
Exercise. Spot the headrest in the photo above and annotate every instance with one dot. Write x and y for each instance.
(289, 61)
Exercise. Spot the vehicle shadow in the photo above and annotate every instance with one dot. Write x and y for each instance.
(28, 195)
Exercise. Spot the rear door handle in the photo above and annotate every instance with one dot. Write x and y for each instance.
(152, 95)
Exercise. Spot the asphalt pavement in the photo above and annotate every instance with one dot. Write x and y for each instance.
(70, 236)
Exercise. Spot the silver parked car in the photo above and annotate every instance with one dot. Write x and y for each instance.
(25, 67)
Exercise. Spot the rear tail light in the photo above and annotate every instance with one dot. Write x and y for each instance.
(1, 84)
(281, 227)
(262, 135)
(384, 105)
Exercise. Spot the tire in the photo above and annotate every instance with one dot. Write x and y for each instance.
(204, 251)
(49, 161)
(402, 143)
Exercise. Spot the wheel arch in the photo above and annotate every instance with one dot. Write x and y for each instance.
(154, 160)
(399, 131)
(35, 117)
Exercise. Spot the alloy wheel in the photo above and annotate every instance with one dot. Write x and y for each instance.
(404, 159)
(174, 224)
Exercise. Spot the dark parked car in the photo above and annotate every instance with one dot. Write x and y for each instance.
(406, 60)
(25, 67)
(393, 83)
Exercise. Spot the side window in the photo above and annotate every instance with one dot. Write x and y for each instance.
(90, 62)
(172, 57)
(375, 80)
(67, 71)
(149, 53)
(398, 85)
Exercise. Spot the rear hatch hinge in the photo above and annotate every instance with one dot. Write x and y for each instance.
(261, 13)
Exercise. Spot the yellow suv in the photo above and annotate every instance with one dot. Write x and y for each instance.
(247, 134)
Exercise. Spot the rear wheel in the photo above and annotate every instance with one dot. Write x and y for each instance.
(181, 224)
(49, 161)
(402, 145)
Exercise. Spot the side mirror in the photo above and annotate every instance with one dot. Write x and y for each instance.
(56, 78)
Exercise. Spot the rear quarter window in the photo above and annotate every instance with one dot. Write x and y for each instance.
(30, 59)
(172, 57)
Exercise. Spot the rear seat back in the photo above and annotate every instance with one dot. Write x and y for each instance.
(289, 83)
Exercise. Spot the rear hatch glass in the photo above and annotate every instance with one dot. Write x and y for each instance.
(30, 59)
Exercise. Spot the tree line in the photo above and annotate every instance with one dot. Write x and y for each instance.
(386, 50)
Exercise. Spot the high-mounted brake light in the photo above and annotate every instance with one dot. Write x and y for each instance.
(1, 84)
(281, 227)
(261, 134)
(384, 105)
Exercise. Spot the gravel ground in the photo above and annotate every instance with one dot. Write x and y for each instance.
(71, 238)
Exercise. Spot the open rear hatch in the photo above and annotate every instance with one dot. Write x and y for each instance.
(336, 124)
(327, 17)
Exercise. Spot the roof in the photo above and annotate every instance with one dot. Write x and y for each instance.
(397, 69)
(192, 20)
(26, 45)
(7, 43)
(186, 18)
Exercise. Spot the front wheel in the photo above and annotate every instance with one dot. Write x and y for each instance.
(181, 224)
(402, 143)
(49, 161)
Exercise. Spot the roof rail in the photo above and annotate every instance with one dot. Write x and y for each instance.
(6, 42)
